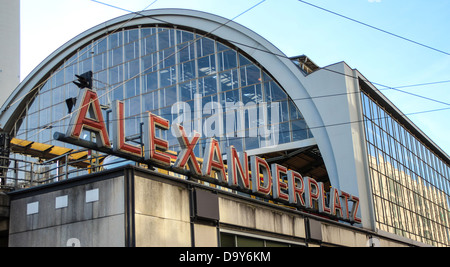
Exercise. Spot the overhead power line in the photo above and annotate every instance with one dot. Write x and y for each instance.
(422, 84)
(116, 7)
(348, 18)
(38, 86)
(376, 28)
(301, 129)
(238, 43)
(397, 88)
(136, 14)
(123, 9)
(385, 87)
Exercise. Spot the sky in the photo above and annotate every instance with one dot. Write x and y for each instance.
(297, 28)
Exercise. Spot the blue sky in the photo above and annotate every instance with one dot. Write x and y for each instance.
(296, 28)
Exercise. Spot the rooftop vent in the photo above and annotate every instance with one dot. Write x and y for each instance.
(305, 64)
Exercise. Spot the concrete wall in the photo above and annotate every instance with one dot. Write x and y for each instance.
(161, 213)
(258, 217)
(136, 207)
(292, 226)
(86, 221)
(343, 123)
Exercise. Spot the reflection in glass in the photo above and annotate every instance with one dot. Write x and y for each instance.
(154, 68)
(410, 183)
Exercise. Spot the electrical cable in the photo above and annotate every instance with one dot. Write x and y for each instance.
(279, 55)
(244, 108)
(294, 99)
(116, 7)
(38, 87)
(285, 56)
(375, 28)
(397, 88)
(385, 86)
(191, 42)
(205, 140)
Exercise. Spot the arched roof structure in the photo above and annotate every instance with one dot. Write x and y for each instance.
(154, 59)
(264, 54)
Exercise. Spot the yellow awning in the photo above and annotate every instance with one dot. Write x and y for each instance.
(47, 152)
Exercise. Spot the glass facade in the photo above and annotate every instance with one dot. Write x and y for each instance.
(410, 183)
(201, 83)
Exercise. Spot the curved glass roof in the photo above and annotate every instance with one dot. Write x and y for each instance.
(204, 84)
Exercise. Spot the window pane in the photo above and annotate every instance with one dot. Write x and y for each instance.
(227, 240)
(206, 65)
(149, 63)
(299, 130)
(274, 244)
(252, 94)
(227, 60)
(208, 85)
(115, 40)
(131, 35)
(166, 39)
(168, 96)
(274, 92)
(132, 88)
(250, 75)
(167, 77)
(132, 69)
(149, 45)
(131, 51)
(116, 75)
(188, 91)
(249, 242)
(205, 46)
(151, 82)
(187, 71)
(150, 101)
(186, 52)
(116, 56)
(167, 57)
(229, 80)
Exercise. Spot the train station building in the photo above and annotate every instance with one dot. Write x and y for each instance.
(178, 128)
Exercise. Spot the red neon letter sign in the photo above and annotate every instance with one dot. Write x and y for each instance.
(152, 143)
(238, 175)
(89, 103)
(296, 188)
(278, 184)
(322, 200)
(345, 198)
(119, 131)
(187, 155)
(258, 162)
(354, 213)
(213, 161)
(335, 203)
(311, 194)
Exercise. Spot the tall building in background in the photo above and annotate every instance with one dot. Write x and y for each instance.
(9, 47)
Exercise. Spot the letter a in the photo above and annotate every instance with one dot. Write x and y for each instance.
(94, 122)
